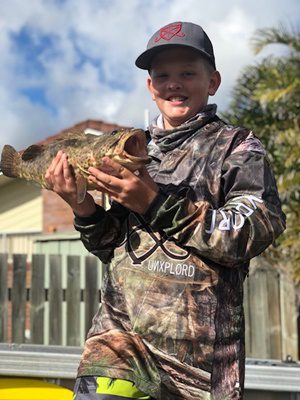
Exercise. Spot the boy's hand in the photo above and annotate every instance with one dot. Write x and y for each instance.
(60, 177)
(135, 192)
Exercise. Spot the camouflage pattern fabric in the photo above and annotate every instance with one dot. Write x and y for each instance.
(171, 318)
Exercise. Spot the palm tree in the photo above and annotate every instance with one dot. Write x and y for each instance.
(266, 99)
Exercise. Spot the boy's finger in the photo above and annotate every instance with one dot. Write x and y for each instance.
(105, 181)
(67, 171)
(58, 171)
(112, 167)
(54, 162)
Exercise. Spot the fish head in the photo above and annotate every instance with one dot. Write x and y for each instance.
(130, 149)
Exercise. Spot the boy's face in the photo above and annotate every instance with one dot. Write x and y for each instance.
(180, 82)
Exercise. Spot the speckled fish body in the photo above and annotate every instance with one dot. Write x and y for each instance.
(128, 147)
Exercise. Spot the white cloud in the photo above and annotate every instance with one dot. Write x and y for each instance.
(231, 38)
(87, 67)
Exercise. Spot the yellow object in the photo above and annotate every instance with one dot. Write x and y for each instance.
(120, 388)
(32, 389)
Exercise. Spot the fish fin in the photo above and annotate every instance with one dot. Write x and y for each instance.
(10, 160)
(32, 152)
(81, 184)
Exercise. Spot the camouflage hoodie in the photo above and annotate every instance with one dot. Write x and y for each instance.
(171, 316)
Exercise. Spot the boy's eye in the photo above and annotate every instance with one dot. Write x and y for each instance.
(189, 73)
(160, 75)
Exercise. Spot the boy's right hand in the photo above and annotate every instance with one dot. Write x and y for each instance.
(60, 177)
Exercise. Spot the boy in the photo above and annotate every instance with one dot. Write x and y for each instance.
(178, 239)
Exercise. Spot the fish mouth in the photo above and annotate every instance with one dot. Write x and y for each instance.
(132, 150)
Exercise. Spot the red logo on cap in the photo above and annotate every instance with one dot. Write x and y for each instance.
(169, 31)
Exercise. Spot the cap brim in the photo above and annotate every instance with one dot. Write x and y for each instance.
(144, 61)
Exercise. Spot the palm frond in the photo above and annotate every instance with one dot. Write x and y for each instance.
(282, 34)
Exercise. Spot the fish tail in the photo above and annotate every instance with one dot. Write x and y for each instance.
(10, 160)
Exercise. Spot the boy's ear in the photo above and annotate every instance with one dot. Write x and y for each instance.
(215, 81)
(150, 87)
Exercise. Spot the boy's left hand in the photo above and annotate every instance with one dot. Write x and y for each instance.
(135, 192)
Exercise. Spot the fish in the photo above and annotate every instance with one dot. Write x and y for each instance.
(127, 147)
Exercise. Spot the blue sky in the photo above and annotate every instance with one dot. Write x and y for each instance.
(64, 61)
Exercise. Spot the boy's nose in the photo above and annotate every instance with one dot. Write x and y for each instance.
(174, 85)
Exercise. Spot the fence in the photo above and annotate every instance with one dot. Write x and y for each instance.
(270, 312)
(52, 301)
(47, 302)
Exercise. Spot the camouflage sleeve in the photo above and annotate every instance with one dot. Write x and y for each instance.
(100, 231)
(248, 222)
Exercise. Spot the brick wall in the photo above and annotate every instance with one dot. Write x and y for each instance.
(57, 215)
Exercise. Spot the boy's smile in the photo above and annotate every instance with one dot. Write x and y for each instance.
(180, 82)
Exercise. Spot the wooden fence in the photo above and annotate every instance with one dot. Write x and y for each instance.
(36, 306)
(270, 312)
(52, 302)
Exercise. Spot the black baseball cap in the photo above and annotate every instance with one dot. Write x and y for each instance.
(177, 34)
